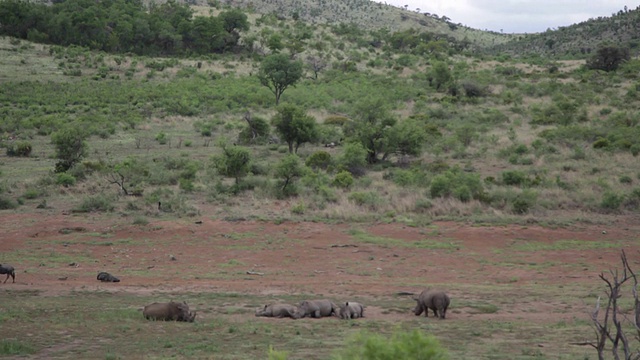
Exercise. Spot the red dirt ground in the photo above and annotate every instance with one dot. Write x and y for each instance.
(305, 258)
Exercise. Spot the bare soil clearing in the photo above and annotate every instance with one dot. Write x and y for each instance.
(530, 273)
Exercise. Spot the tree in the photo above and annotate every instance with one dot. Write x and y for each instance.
(407, 138)
(608, 58)
(235, 161)
(294, 126)
(256, 132)
(278, 72)
(128, 175)
(440, 75)
(288, 170)
(372, 120)
(70, 147)
(609, 328)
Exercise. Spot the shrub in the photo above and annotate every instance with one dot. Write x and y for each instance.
(343, 179)
(319, 160)
(611, 201)
(514, 178)
(162, 138)
(369, 199)
(455, 182)
(413, 344)
(7, 204)
(336, 120)
(21, 148)
(95, 203)
(524, 201)
(65, 179)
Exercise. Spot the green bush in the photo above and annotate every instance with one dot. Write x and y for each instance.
(514, 178)
(343, 179)
(601, 143)
(318, 160)
(95, 204)
(7, 204)
(409, 345)
(524, 201)
(369, 199)
(21, 148)
(611, 201)
(456, 183)
(65, 179)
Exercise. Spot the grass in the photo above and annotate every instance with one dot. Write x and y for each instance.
(366, 238)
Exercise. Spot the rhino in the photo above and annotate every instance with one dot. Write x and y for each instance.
(437, 301)
(171, 311)
(277, 311)
(9, 270)
(316, 309)
(351, 310)
(106, 277)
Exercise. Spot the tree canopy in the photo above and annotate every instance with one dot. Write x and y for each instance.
(278, 72)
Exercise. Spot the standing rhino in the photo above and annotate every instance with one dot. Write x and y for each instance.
(437, 301)
(316, 309)
(9, 270)
(351, 310)
(277, 311)
(106, 277)
(171, 311)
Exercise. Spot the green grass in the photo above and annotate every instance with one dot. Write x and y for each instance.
(572, 244)
(364, 237)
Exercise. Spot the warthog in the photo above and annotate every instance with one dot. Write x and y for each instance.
(277, 311)
(106, 277)
(9, 270)
(437, 301)
(171, 311)
(351, 310)
(316, 309)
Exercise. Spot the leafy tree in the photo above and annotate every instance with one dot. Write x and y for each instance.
(294, 126)
(372, 119)
(234, 21)
(440, 75)
(289, 169)
(608, 58)
(354, 158)
(256, 132)
(407, 138)
(235, 161)
(70, 147)
(278, 72)
(128, 175)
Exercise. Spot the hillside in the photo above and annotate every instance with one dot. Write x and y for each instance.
(578, 40)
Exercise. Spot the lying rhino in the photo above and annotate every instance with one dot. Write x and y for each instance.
(351, 310)
(316, 309)
(277, 311)
(437, 301)
(106, 277)
(9, 270)
(171, 311)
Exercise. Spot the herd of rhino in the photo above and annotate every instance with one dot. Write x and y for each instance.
(436, 301)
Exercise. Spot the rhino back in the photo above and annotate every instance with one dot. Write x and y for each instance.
(161, 311)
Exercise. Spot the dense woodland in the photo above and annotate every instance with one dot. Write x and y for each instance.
(394, 123)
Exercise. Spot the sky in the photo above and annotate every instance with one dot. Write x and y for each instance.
(516, 16)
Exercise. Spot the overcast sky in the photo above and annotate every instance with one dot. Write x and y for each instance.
(517, 16)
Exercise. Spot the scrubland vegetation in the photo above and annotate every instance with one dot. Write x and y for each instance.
(287, 115)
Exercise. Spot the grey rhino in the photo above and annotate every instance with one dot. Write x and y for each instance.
(9, 270)
(316, 309)
(106, 277)
(277, 311)
(437, 301)
(351, 310)
(171, 311)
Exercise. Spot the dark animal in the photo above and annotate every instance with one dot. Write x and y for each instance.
(351, 310)
(171, 311)
(277, 311)
(106, 277)
(437, 301)
(9, 270)
(316, 309)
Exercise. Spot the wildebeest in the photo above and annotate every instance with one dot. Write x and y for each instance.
(9, 270)
(171, 311)
(106, 277)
